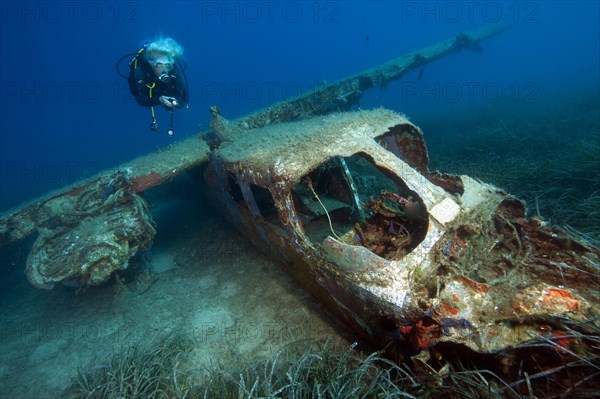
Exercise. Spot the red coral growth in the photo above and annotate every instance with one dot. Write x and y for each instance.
(421, 336)
(449, 308)
(142, 183)
(424, 336)
(479, 287)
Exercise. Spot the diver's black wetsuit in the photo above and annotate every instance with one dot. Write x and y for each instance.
(142, 77)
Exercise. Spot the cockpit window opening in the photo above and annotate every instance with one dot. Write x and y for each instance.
(359, 203)
(258, 200)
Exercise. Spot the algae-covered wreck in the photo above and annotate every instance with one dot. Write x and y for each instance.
(347, 203)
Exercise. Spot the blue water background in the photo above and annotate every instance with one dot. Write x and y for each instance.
(66, 114)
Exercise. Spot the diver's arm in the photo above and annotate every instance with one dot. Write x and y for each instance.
(181, 94)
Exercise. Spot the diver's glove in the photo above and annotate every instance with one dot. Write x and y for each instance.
(169, 102)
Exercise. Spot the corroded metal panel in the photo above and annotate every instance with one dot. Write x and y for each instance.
(479, 276)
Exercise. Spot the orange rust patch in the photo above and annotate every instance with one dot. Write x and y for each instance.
(479, 287)
(449, 308)
(144, 182)
(74, 191)
(557, 295)
(455, 297)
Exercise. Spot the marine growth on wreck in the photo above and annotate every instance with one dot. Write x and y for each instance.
(347, 204)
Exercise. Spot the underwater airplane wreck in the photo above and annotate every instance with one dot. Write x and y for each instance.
(346, 202)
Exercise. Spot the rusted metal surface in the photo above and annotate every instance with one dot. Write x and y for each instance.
(107, 225)
(90, 230)
(142, 173)
(466, 269)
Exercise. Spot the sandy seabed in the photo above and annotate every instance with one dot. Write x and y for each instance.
(205, 281)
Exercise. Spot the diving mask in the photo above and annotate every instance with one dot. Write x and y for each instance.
(166, 65)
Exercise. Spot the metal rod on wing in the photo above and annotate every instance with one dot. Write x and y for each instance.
(344, 93)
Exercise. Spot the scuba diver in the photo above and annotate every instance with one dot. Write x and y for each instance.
(157, 78)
